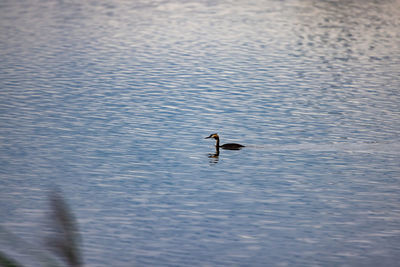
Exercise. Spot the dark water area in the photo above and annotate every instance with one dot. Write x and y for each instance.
(110, 102)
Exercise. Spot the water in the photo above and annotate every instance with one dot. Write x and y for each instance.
(110, 102)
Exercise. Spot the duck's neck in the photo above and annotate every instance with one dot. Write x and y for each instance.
(217, 144)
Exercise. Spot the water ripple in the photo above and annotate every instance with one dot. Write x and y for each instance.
(112, 101)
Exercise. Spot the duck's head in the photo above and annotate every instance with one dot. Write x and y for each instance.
(215, 136)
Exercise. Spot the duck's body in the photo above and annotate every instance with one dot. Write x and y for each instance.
(230, 146)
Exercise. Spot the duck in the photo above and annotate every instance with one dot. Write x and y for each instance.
(229, 146)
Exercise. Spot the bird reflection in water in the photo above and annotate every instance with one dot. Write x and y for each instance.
(214, 157)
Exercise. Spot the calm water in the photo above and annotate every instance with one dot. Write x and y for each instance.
(110, 101)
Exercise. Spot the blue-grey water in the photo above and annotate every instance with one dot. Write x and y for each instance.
(110, 101)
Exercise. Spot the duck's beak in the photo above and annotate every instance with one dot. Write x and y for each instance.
(207, 137)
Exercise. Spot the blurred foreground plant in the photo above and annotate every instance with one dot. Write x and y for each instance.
(63, 241)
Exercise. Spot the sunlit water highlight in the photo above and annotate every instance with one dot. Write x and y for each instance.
(110, 102)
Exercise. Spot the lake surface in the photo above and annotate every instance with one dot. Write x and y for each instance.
(110, 101)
